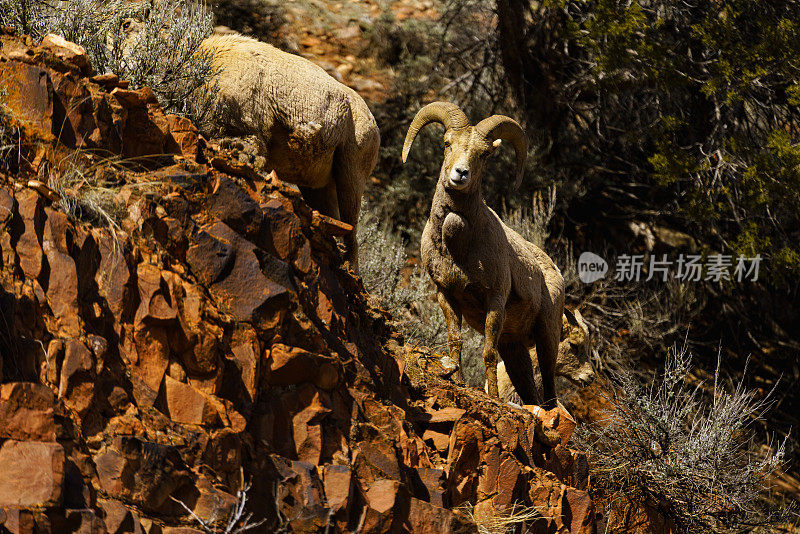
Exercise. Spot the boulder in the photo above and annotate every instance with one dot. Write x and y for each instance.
(32, 473)
(26, 412)
(66, 50)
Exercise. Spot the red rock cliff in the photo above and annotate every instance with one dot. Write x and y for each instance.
(213, 341)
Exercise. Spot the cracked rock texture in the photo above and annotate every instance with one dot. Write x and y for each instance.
(213, 341)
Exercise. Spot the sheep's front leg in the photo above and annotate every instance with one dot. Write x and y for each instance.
(453, 319)
(495, 316)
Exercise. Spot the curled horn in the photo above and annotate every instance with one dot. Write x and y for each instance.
(506, 128)
(443, 112)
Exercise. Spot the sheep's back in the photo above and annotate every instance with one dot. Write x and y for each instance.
(270, 88)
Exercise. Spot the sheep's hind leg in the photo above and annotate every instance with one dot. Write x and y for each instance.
(350, 184)
(453, 319)
(547, 335)
(495, 316)
(520, 370)
(322, 199)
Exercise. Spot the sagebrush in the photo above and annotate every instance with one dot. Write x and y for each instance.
(684, 449)
(161, 50)
(149, 45)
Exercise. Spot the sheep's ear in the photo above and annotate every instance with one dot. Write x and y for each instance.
(496, 143)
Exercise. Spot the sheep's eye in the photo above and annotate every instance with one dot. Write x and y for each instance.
(126, 25)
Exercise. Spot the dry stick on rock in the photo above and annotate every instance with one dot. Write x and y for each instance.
(484, 271)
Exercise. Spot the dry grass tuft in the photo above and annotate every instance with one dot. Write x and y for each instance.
(505, 522)
(88, 193)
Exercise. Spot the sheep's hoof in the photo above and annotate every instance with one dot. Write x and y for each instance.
(552, 403)
(491, 382)
(457, 376)
(452, 369)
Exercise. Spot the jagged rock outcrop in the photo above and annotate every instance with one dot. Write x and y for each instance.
(213, 341)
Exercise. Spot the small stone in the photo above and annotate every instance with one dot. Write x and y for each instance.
(233, 206)
(557, 419)
(440, 440)
(246, 291)
(427, 518)
(433, 481)
(209, 258)
(77, 359)
(445, 415)
(109, 80)
(66, 50)
(119, 518)
(187, 405)
(338, 482)
(292, 365)
(29, 247)
(387, 506)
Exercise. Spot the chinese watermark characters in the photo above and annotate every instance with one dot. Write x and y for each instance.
(687, 268)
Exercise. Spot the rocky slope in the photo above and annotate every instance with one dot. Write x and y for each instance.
(211, 341)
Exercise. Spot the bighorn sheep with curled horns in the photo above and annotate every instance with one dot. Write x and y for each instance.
(484, 271)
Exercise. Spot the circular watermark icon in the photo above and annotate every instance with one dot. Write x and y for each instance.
(591, 267)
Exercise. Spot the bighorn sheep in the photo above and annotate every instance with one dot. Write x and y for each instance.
(573, 358)
(484, 271)
(315, 132)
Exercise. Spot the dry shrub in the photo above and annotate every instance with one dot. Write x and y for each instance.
(686, 452)
(533, 224)
(162, 53)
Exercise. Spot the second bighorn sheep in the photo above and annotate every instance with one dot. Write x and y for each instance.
(316, 132)
(484, 271)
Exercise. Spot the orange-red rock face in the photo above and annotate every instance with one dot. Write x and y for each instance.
(214, 341)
